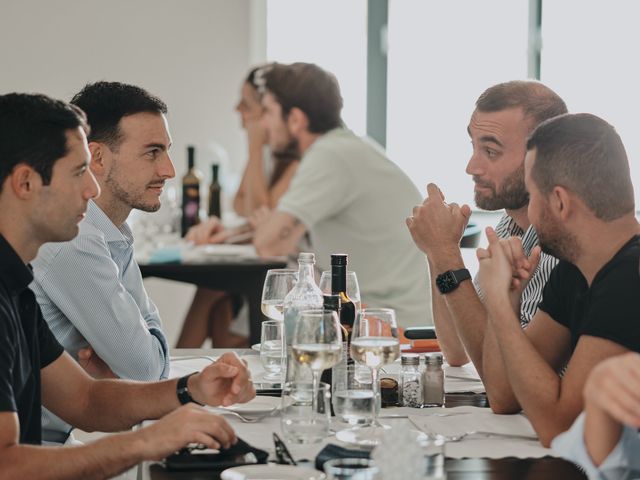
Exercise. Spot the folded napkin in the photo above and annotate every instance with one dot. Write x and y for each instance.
(239, 454)
(462, 379)
(331, 451)
(459, 420)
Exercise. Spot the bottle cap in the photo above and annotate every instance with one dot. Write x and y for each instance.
(339, 259)
(331, 302)
(433, 358)
(410, 359)
(306, 257)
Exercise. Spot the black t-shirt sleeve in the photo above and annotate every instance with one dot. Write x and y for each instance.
(615, 307)
(8, 342)
(50, 348)
(554, 301)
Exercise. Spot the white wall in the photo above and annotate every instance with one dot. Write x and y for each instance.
(191, 53)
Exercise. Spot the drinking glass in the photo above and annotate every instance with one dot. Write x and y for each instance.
(305, 414)
(351, 469)
(277, 283)
(374, 343)
(353, 289)
(272, 349)
(317, 341)
(352, 396)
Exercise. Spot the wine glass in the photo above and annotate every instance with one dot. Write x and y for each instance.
(277, 283)
(317, 341)
(353, 289)
(374, 343)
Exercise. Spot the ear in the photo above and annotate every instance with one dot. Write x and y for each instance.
(100, 158)
(24, 181)
(561, 202)
(297, 121)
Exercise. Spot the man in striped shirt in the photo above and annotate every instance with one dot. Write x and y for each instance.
(504, 117)
(90, 289)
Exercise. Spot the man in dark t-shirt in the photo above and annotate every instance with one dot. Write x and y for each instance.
(45, 184)
(582, 206)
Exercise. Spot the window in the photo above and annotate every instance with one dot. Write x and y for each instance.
(442, 56)
(332, 34)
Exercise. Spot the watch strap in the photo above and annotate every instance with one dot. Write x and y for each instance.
(462, 274)
(182, 390)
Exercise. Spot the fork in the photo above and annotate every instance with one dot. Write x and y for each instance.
(457, 438)
(243, 418)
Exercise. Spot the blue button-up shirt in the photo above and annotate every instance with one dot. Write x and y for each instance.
(91, 293)
(622, 463)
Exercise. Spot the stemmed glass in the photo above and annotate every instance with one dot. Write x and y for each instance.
(374, 343)
(277, 283)
(353, 289)
(317, 342)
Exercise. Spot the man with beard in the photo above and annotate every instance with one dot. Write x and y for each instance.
(504, 116)
(90, 289)
(582, 205)
(347, 194)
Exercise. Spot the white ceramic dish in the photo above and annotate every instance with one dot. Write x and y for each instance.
(271, 472)
(259, 405)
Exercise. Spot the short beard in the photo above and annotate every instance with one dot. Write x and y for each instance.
(291, 149)
(555, 240)
(512, 195)
(132, 200)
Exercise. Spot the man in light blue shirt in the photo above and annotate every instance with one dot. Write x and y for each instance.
(90, 290)
(604, 440)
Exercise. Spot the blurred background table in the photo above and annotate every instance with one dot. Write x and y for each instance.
(242, 276)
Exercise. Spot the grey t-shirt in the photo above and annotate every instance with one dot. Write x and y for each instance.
(353, 199)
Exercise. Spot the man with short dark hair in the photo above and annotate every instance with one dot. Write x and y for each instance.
(90, 289)
(504, 116)
(45, 185)
(347, 194)
(581, 203)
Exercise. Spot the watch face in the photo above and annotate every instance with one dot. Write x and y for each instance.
(446, 282)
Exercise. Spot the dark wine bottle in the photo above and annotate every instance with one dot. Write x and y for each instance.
(339, 263)
(214, 193)
(190, 193)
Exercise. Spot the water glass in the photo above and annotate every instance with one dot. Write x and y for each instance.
(351, 469)
(302, 420)
(272, 354)
(352, 394)
(433, 447)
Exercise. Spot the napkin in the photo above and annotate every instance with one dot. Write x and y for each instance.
(458, 420)
(399, 456)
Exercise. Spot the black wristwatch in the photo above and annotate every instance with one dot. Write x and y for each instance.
(183, 392)
(450, 280)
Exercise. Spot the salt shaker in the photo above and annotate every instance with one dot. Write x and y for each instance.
(411, 387)
(433, 381)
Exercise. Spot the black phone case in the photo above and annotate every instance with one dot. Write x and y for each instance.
(216, 462)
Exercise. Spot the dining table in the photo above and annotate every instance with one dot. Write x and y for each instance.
(464, 391)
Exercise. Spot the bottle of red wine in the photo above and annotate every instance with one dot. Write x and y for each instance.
(190, 193)
(214, 193)
(339, 263)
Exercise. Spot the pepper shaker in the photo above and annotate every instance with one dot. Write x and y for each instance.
(433, 381)
(411, 395)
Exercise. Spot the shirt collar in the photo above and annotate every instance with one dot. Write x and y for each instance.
(102, 222)
(13, 272)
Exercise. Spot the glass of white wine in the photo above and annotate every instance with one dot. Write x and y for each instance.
(374, 343)
(277, 283)
(353, 289)
(317, 342)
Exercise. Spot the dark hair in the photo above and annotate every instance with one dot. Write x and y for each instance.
(584, 154)
(309, 88)
(33, 131)
(537, 101)
(106, 103)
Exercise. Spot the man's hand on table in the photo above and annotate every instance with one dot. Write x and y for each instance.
(225, 382)
(188, 424)
(437, 227)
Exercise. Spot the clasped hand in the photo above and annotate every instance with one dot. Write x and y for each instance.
(505, 269)
(225, 382)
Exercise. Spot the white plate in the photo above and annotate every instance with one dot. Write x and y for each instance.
(366, 439)
(256, 347)
(256, 406)
(271, 472)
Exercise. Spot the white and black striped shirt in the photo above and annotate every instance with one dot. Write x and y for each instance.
(532, 295)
